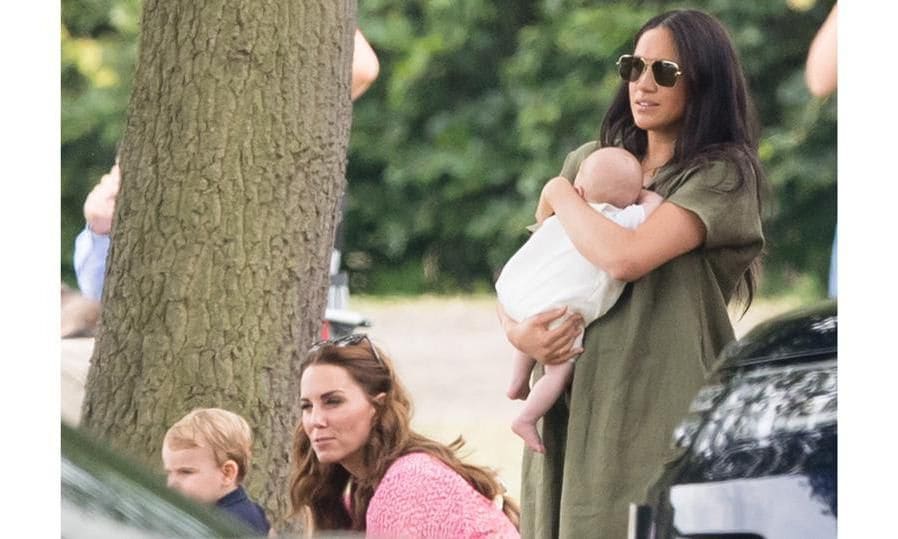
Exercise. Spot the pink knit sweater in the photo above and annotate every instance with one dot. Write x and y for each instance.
(420, 496)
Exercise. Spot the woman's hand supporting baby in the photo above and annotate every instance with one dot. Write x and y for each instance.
(533, 336)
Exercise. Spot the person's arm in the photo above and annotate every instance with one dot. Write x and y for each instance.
(625, 254)
(365, 66)
(99, 206)
(92, 244)
(821, 72)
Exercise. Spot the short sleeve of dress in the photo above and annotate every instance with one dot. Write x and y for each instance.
(726, 204)
(572, 161)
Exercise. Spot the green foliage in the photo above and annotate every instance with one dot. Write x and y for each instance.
(798, 147)
(478, 103)
(475, 108)
(99, 46)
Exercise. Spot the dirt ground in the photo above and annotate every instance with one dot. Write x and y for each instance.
(453, 358)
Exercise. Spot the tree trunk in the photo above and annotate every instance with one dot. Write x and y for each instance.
(232, 164)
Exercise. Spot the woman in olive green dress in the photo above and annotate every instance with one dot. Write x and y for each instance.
(684, 110)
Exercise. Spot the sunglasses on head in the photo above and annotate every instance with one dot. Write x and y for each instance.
(353, 339)
(631, 67)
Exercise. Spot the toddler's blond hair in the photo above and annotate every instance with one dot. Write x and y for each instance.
(226, 433)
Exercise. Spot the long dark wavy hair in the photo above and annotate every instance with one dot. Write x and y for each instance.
(719, 121)
(317, 490)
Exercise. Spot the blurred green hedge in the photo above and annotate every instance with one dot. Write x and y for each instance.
(476, 106)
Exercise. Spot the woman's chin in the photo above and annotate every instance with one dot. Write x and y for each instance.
(326, 457)
(643, 123)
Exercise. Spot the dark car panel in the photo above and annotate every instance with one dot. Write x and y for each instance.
(104, 495)
(758, 450)
(799, 335)
(770, 421)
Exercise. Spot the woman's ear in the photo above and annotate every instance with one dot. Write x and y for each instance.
(380, 398)
(230, 469)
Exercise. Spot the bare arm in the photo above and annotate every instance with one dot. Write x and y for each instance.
(821, 74)
(99, 207)
(543, 210)
(365, 66)
(625, 254)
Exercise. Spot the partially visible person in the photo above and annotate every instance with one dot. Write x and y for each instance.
(357, 465)
(365, 66)
(79, 315)
(548, 272)
(821, 71)
(821, 76)
(92, 243)
(206, 455)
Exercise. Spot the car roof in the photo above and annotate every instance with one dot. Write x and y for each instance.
(807, 334)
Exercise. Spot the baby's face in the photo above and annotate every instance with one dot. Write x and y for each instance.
(195, 473)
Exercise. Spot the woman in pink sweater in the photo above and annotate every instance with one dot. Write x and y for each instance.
(357, 465)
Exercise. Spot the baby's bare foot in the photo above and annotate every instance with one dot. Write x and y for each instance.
(530, 435)
(519, 389)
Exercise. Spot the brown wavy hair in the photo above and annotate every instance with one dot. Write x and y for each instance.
(317, 490)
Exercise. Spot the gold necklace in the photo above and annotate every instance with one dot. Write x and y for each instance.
(652, 171)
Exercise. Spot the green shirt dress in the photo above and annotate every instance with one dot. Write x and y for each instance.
(643, 362)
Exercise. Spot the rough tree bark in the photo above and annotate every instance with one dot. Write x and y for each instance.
(232, 164)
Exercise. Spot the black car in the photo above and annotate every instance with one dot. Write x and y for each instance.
(104, 495)
(758, 449)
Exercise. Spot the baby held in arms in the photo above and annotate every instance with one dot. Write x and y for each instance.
(548, 272)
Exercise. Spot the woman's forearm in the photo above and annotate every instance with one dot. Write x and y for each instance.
(599, 239)
(625, 254)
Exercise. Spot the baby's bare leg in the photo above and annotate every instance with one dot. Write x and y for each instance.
(523, 365)
(545, 392)
(520, 375)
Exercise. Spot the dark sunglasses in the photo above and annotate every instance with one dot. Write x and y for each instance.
(631, 67)
(353, 339)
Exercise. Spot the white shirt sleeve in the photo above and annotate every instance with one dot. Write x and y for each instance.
(90, 262)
